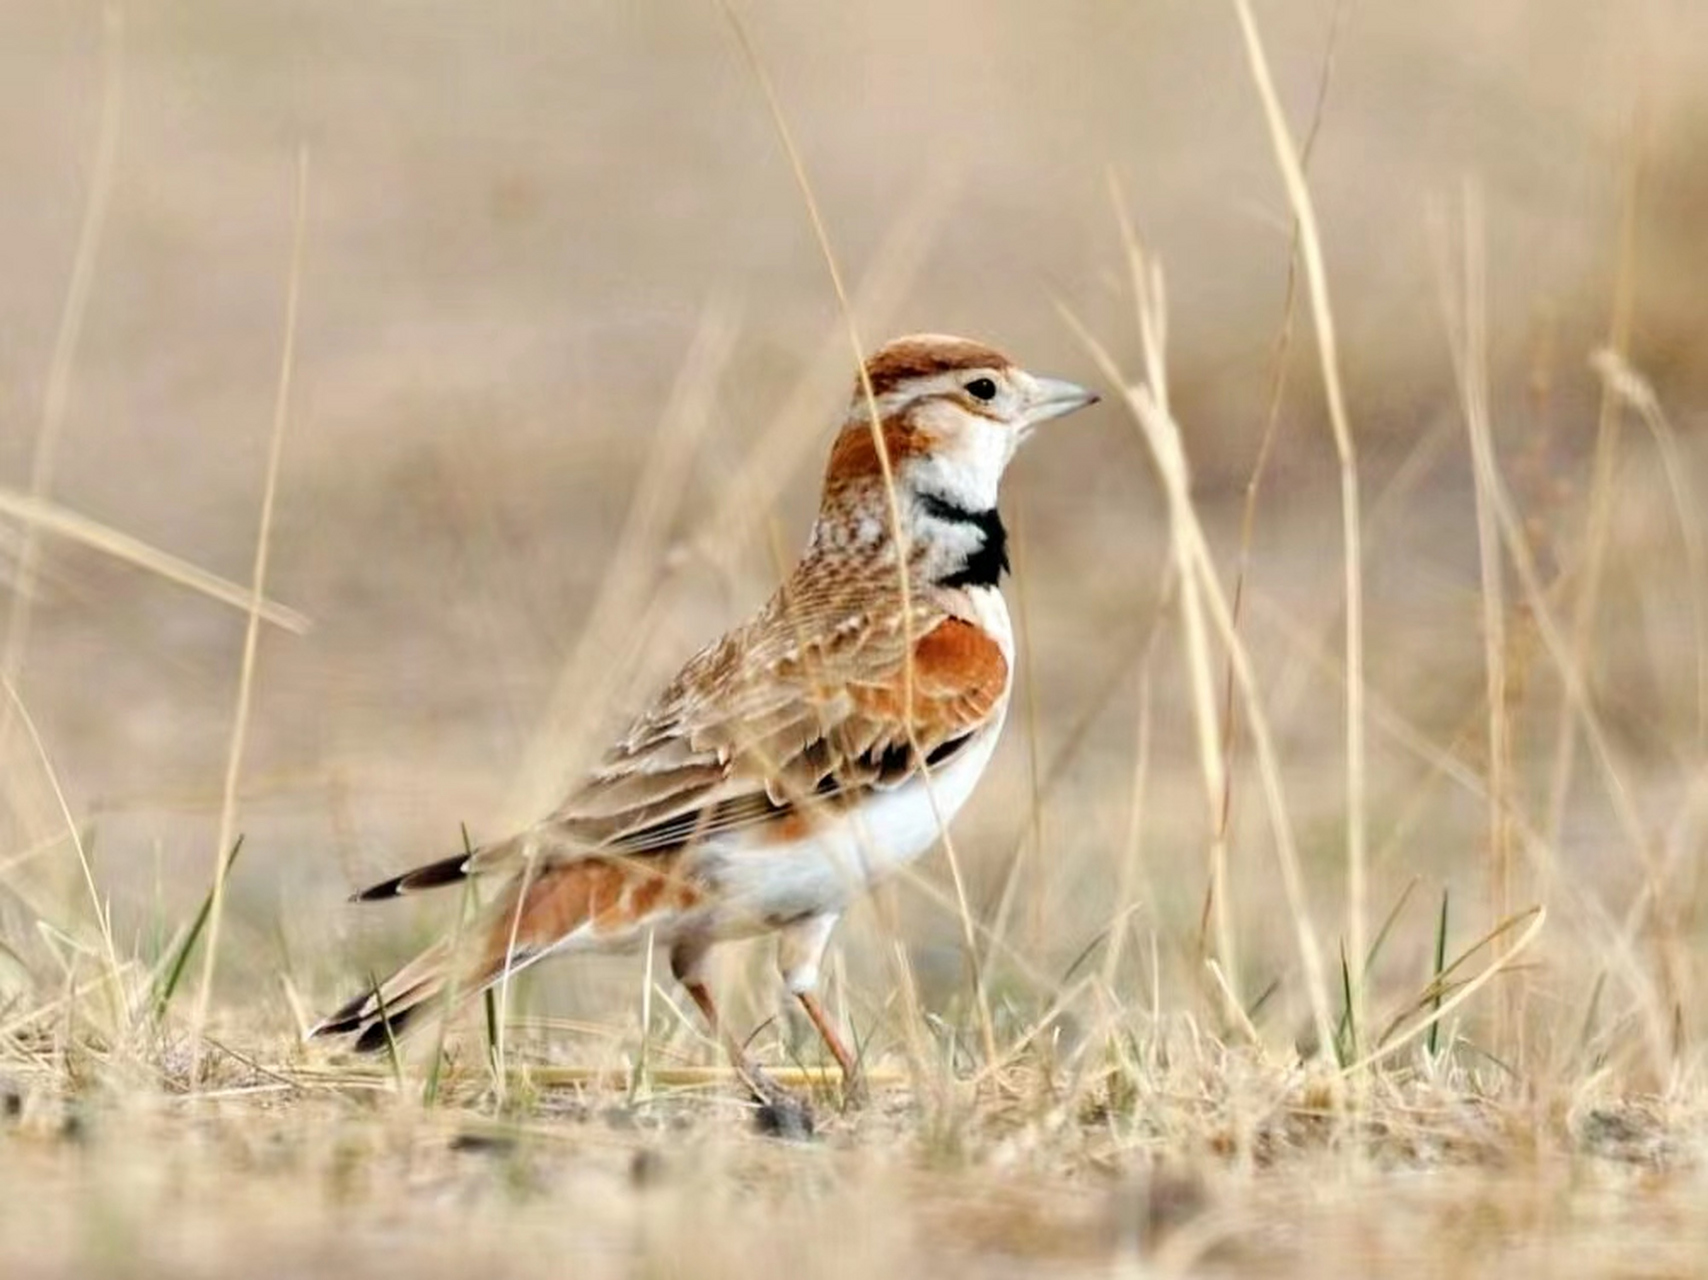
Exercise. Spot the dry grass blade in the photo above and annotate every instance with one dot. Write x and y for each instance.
(1634, 390)
(1230, 998)
(781, 449)
(1148, 300)
(1609, 427)
(631, 569)
(1566, 659)
(1467, 323)
(49, 517)
(1554, 638)
(549, 1076)
(252, 635)
(1280, 363)
(114, 974)
(1608, 936)
(497, 995)
(1162, 436)
(1299, 195)
(1389, 1043)
(44, 464)
(468, 906)
(33, 508)
(1132, 859)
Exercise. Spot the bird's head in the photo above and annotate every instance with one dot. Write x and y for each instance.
(952, 412)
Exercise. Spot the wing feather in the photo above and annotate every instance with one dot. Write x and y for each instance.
(763, 725)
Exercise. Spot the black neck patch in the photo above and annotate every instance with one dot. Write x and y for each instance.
(985, 566)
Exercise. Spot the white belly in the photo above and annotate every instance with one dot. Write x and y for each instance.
(761, 886)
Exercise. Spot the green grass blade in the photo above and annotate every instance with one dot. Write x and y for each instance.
(391, 1052)
(167, 986)
(1256, 1007)
(1440, 970)
(1346, 1034)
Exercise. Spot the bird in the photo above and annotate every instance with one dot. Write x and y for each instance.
(809, 753)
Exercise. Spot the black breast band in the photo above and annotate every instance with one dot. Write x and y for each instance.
(985, 566)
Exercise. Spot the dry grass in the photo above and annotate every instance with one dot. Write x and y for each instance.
(1336, 907)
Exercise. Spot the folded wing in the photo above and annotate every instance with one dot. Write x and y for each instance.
(764, 725)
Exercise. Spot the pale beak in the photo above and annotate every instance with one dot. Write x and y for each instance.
(1055, 397)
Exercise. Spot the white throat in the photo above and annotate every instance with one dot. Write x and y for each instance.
(966, 466)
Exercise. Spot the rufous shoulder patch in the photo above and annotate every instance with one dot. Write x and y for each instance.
(959, 675)
(958, 656)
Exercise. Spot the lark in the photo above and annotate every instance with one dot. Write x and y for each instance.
(812, 751)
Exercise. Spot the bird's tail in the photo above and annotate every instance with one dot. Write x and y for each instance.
(592, 902)
(386, 1009)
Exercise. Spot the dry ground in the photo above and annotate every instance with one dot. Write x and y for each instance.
(564, 366)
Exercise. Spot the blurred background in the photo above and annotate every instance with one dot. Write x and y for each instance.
(567, 366)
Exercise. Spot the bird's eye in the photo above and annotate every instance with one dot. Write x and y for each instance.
(982, 389)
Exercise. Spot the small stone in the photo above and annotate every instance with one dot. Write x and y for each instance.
(785, 1118)
(647, 1168)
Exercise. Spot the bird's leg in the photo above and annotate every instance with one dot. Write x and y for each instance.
(800, 950)
(761, 1085)
(779, 1110)
(853, 1078)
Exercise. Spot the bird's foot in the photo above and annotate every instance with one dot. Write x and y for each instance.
(781, 1113)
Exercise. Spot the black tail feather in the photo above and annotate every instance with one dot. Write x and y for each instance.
(449, 870)
(383, 1031)
(347, 1018)
(417, 985)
